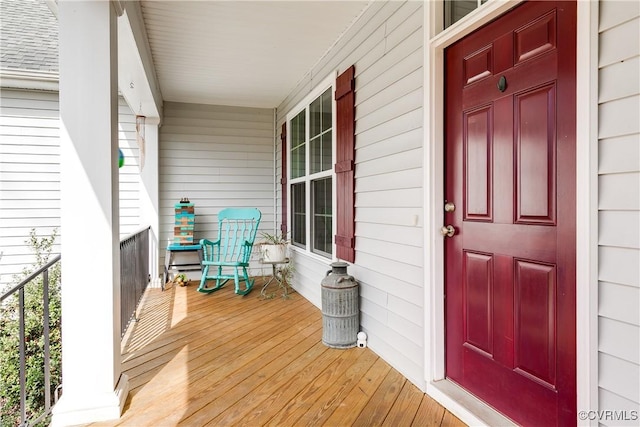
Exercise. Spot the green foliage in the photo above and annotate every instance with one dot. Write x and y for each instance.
(34, 338)
(284, 275)
(274, 239)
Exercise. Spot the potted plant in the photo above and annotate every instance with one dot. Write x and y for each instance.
(273, 248)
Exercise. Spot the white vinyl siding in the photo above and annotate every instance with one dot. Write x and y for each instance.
(217, 157)
(386, 47)
(130, 172)
(30, 174)
(619, 208)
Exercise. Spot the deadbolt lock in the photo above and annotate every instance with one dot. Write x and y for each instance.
(449, 207)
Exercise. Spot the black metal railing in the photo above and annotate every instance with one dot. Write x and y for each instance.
(134, 278)
(20, 289)
(134, 274)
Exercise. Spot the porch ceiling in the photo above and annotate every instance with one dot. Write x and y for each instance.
(240, 53)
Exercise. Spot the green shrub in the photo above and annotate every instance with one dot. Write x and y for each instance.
(34, 338)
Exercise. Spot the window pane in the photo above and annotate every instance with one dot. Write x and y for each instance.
(321, 154)
(326, 154)
(326, 110)
(315, 112)
(455, 10)
(298, 224)
(320, 143)
(322, 216)
(320, 114)
(315, 145)
(298, 161)
(298, 147)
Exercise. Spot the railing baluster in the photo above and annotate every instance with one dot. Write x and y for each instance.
(134, 272)
(23, 368)
(22, 345)
(47, 338)
(134, 275)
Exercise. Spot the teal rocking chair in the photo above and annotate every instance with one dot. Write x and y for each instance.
(236, 233)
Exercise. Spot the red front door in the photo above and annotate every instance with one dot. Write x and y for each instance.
(510, 173)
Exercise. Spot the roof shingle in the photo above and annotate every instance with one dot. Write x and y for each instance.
(28, 36)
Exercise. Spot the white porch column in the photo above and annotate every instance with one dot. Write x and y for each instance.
(149, 196)
(93, 387)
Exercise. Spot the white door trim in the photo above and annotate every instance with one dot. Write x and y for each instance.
(587, 208)
(586, 194)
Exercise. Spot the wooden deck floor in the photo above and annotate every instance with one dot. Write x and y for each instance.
(221, 359)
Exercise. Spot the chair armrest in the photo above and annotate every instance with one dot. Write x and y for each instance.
(209, 242)
(208, 249)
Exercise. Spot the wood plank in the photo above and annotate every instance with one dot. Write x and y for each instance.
(208, 390)
(319, 377)
(204, 387)
(263, 397)
(353, 404)
(430, 413)
(242, 383)
(450, 420)
(202, 351)
(376, 410)
(406, 406)
(181, 334)
(333, 397)
(222, 359)
(185, 328)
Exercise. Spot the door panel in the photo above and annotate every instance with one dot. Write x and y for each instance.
(477, 145)
(478, 302)
(535, 38)
(535, 144)
(535, 338)
(510, 167)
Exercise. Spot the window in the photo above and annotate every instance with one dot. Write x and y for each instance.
(311, 176)
(318, 188)
(455, 10)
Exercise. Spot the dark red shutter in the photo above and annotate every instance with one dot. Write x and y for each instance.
(345, 166)
(283, 180)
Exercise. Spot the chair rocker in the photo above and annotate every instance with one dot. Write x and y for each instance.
(236, 234)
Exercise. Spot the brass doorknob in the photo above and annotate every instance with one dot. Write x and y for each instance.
(448, 231)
